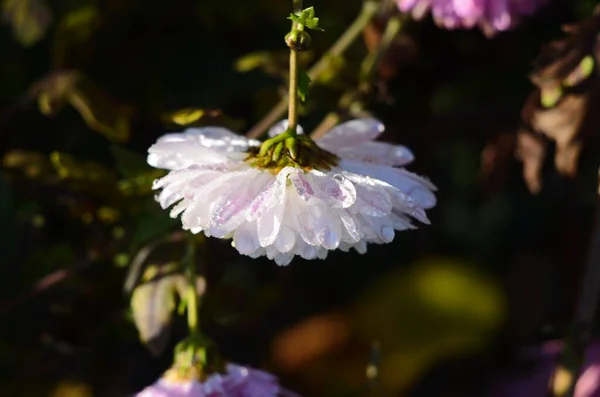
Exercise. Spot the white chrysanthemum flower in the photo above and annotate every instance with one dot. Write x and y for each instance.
(290, 209)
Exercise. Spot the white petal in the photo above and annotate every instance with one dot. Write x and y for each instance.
(371, 197)
(231, 207)
(420, 189)
(334, 189)
(376, 153)
(283, 259)
(281, 127)
(351, 133)
(246, 239)
(270, 217)
(286, 240)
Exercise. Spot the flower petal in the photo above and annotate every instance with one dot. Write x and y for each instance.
(351, 133)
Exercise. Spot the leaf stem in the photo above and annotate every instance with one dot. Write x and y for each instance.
(347, 38)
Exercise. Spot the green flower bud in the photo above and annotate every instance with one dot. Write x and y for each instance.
(298, 40)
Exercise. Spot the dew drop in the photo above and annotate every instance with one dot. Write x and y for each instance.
(387, 233)
(285, 240)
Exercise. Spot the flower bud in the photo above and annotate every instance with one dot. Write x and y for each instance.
(298, 40)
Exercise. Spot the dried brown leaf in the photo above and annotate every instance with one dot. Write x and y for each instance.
(566, 77)
(152, 306)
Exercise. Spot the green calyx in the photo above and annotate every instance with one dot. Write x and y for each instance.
(291, 150)
(195, 359)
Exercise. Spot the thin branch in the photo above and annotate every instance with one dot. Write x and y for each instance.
(351, 98)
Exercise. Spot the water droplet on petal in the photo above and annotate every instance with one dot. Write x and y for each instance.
(285, 240)
(387, 233)
(329, 238)
(339, 178)
(308, 252)
(245, 241)
(423, 196)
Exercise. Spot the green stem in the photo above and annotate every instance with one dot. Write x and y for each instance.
(293, 91)
(191, 293)
(351, 34)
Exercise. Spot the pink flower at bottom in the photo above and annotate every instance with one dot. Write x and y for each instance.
(534, 382)
(238, 381)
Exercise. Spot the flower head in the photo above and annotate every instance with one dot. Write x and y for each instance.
(238, 381)
(353, 196)
(490, 15)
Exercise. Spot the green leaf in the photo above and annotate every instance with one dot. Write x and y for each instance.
(151, 225)
(303, 85)
(129, 163)
(29, 19)
(307, 18)
(152, 307)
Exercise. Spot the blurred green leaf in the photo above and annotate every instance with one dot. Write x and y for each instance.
(29, 19)
(303, 85)
(151, 225)
(194, 117)
(129, 163)
(100, 112)
(74, 28)
(274, 63)
(68, 167)
(152, 306)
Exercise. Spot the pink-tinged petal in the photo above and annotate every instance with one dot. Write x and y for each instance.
(471, 9)
(588, 384)
(406, 5)
(302, 185)
(281, 127)
(351, 227)
(371, 198)
(499, 15)
(351, 133)
(271, 216)
(334, 189)
(230, 208)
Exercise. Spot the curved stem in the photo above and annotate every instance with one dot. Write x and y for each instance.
(353, 32)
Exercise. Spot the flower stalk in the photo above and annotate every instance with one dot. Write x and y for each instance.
(368, 12)
(293, 87)
(191, 291)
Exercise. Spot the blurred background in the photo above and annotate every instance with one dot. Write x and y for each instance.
(86, 86)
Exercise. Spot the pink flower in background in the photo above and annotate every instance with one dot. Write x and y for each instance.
(238, 381)
(534, 381)
(490, 15)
